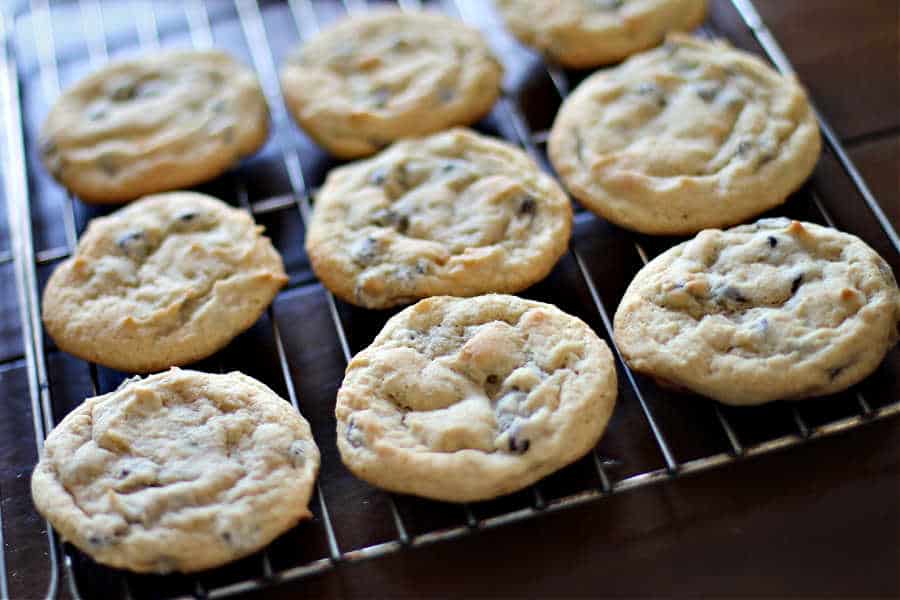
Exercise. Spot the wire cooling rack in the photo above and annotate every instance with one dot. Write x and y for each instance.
(301, 345)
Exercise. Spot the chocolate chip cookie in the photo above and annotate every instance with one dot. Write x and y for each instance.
(589, 33)
(373, 79)
(155, 123)
(454, 213)
(180, 471)
(165, 281)
(775, 310)
(688, 136)
(464, 399)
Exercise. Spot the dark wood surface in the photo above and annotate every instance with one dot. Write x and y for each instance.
(846, 52)
(878, 160)
(820, 520)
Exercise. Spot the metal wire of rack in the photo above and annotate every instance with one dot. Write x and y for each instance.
(513, 124)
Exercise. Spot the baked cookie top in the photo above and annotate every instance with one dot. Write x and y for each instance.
(454, 213)
(688, 136)
(370, 80)
(465, 399)
(165, 281)
(589, 33)
(155, 123)
(180, 471)
(774, 310)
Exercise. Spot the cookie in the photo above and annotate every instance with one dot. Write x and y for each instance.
(465, 399)
(689, 136)
(775, 310)
(181, 471)
(373, 79)
(590, 33)
(165, 281)
(160, 122)
(454, 213)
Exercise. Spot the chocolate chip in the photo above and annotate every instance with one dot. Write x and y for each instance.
(421, 267)
(354, 435)
(365, 251)
(772, 241)
(107, 164)
(528, 206)
(378, 177)
(732, 293)
(396, 181)
(226, 535)
(609, 4)
(406, 274)
(187, 216)
(124, 92)
(744, 148)
(124, 473)
(492, 380)
(518, 446)
(297, 452)
(96, 540)
(383, 217)
(387, 217)
(708, 93)
(654, 91)
(795, 284)
(132, 242)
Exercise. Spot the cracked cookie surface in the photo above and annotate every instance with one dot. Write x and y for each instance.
(774, 310)
(180, 471)
(165, 281)
(154, 123)
(373, 79)
(464, 399)
(454, 213)
(685, 137)
(589, 33)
